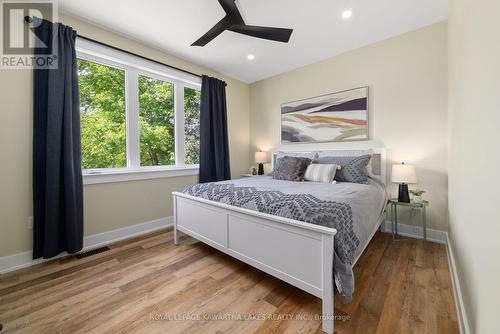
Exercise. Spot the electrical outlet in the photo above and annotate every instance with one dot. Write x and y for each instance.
(29, 224)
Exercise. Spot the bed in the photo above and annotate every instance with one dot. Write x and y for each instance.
(310, 237)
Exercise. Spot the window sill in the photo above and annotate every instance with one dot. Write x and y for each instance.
(96, 176)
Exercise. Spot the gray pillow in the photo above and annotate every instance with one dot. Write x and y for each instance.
(282, 154)
(310, 155)
(350, 153)
(291, 168)
(352, 169)
(277, 164)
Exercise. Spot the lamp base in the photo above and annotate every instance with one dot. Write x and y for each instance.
(403, 195)
(261, 169)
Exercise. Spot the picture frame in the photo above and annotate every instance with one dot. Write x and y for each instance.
(336, 117)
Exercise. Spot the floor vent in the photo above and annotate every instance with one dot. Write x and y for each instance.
(92, 252)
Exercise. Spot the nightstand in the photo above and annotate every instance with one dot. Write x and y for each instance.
(246, 175)
(394, 215)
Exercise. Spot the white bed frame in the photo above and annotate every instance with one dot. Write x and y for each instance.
(296, 252)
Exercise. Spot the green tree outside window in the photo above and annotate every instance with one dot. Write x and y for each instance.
(103, 119)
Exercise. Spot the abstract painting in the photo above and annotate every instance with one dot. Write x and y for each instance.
(341, 116)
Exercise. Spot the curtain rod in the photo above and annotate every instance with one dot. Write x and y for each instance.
(29, 19)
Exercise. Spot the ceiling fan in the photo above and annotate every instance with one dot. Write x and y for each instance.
(234, 22)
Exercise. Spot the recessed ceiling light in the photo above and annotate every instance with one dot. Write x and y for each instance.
(346, 14)
(250, 57)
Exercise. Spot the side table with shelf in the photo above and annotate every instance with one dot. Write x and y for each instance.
(394, 215)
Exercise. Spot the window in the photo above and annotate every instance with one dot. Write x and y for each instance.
(137, 116)
(192, 126)
(102, 115)
(157, 124)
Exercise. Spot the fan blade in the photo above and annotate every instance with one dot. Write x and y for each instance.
(274, 34)
(216, 30)
(232, 11)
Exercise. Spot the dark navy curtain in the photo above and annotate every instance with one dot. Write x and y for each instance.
(214, 147)
(57, 174)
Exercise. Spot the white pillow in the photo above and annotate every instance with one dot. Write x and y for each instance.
(321, 173)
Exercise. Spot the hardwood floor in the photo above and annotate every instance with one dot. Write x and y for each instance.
(148, 285)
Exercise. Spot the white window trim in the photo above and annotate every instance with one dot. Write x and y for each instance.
(108, 175)
(135, 66)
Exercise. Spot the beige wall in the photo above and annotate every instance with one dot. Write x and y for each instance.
(474, 115)
(107, 206)
(407, 76)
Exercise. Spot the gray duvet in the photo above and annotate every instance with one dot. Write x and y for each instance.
(353, 209)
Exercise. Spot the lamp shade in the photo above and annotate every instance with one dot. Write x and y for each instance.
(261, 157)
(403, 173)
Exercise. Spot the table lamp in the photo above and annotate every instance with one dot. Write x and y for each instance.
(261, 159)
(403, 174)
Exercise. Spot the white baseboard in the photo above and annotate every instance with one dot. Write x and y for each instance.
(463, 323)
(25, 259)
(416, 232)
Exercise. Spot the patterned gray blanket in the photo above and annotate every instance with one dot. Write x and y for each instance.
(302, 207)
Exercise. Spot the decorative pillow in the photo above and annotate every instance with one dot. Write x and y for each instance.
(321, 173)
(350, 153)
(310, 155)
(344, 153)
(279, 155)
(353, 169)
(291, 168)
(276, 166)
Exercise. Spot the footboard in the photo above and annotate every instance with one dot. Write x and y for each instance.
(298, 253)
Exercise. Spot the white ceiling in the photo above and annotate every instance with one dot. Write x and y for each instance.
(319, 31)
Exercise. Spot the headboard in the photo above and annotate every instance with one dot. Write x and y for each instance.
(379, 157)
